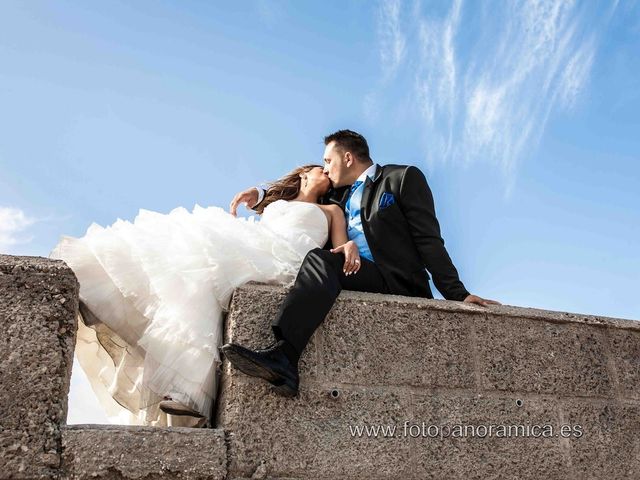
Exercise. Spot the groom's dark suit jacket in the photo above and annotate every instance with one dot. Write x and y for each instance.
(403, 233)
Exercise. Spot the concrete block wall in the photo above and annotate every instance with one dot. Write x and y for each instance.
(38, 306)
(395, 360)
(377, 361)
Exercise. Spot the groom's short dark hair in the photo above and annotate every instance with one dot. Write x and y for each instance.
(350, 141)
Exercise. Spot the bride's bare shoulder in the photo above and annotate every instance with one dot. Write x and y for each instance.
(331, 211)
(330, 208)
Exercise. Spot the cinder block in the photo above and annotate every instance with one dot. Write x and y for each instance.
(38, 309)
(366, 343)
(494, 445)
(532, 355)
(118, 451)
(625, 353)
(309, 436)
(610, 446)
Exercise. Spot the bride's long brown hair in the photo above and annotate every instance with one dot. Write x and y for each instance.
(285, 188)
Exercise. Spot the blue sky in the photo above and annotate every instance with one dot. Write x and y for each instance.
(523, 116)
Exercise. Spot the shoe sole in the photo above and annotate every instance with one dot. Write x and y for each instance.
(284, 389)
(280, 385)
(180, 412)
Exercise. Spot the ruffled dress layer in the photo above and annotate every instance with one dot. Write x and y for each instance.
(153, 294)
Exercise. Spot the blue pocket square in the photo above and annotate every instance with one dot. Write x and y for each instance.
(385, 200)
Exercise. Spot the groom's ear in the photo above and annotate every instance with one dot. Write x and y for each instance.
(348, 159)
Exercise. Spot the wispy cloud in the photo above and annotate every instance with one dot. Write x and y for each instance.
(13, 223)
(391, 37)
(436, 76)
(486, 76)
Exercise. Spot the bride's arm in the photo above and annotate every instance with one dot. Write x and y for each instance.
(250, 197)
(341, 242)
(337, 225)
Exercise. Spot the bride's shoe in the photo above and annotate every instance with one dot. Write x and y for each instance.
(171, 407)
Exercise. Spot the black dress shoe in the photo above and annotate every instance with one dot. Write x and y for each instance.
(270, 364)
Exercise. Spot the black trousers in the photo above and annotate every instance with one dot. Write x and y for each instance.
(318, 284)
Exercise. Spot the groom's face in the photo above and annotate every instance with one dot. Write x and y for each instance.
(336, 165)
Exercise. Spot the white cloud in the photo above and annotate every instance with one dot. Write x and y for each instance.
(487, 76)
(575, 74)
(392, 40)
(435, 77)
(13, 222)
(505, 107)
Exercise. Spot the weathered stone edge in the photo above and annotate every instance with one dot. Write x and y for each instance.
(38, 264)
(452, 306)
(109, 460)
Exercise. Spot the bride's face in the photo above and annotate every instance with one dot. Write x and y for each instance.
(318, 180)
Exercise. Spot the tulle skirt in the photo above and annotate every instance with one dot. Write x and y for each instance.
(153, 294)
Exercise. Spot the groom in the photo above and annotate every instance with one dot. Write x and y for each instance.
(391, 218)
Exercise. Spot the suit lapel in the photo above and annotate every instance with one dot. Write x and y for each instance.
(368, 190)
(337, 196)
(366, 196)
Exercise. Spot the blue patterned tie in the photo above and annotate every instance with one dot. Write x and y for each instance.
(354, 187)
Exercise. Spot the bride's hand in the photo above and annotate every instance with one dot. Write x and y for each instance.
(249, 197)
(351, 257)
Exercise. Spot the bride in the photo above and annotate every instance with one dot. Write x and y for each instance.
(153, 293)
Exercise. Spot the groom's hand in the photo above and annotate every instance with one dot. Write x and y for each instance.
(249, 197)
(480, 301)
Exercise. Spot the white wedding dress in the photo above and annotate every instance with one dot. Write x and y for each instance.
(156, 290)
